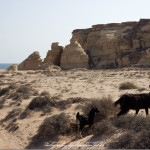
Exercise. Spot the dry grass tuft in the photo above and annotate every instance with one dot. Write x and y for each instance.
(51, 129)
(23, 92)
(67, 103)
(45, 93)
(105, 106)
(4, 91)
(127, 85)
(26, 113)
(136, 134)
(104, 127)
(125, 141)
(12, 114)
(44, 103)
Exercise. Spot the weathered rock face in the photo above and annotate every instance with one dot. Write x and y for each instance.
(117, 45)
(74, 56)
(54, 55)
(33, 62)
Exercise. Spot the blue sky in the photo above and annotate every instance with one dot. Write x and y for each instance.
(30, 25)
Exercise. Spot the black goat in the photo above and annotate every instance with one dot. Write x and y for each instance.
(82, 120)
(133, 101)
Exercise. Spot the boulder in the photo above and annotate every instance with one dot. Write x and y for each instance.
(13, 67)
(33, 62)
(54, 55)
(74, 56)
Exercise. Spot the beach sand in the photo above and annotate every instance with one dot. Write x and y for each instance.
(91, 84)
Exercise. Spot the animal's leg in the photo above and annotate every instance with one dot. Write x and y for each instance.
(90, 129)
(81, 127)
(137, 110)
(80, 135)
(122, 112)
(77, 130)
(146, 110)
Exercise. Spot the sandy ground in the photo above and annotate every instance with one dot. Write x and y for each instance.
(65, 84)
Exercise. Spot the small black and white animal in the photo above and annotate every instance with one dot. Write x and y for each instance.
(83, 120)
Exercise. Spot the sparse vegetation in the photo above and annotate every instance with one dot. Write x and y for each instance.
(127, 85)
(23, 92)
(105, 106)
(104, 127)
(55, 125)
(4, 91)
(12, 114)
(45, 93)
(2, 103)
(50, 129)
(25, 114)
(44, 103)
(66, 103)
(135, 132)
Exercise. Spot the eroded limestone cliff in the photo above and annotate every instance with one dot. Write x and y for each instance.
(117, 44)
(104, 46)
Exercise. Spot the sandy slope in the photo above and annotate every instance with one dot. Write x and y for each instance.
(65, 84)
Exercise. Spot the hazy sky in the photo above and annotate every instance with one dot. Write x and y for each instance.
(30, 25)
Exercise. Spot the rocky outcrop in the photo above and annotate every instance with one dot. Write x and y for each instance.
(102, 46)
(54, 55)
(12, 68)
(33, 62)
(74, 56)
(116, 45)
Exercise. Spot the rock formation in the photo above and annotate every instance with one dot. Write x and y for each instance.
(13, 67)
(74, 56)
(109, 45)
(118, 44)
(33, 62)
(54, 55)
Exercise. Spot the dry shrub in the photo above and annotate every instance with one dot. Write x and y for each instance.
(2, 103)
(55, 125)
(127, 85)
(12, 126)
(23, 92)
(136, 134)
(12, 114)
(43, 103)
(125, 141)
(143, 140)
(132, 140)
(45, 93)
(2, 75)
(13, 86)
(50, 129)
(104, 127)
(105, 106)
(67, 103)
(135, 123)
(4, 91)
(25, 114)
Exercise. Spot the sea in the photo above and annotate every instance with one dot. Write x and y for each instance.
(6, 65)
